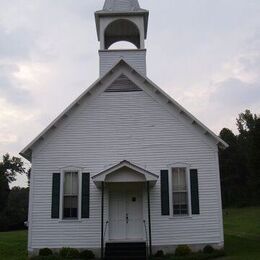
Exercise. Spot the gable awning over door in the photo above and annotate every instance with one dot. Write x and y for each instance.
(124, 172)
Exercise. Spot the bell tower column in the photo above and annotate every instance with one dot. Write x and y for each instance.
(122, 20)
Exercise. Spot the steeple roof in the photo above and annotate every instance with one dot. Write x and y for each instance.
(121, 6)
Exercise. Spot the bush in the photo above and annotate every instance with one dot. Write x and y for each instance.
(182, 250)
(69, 253)
(50, 257)
(159, 253)
(45, 252)
(208, 249)
(87, 255)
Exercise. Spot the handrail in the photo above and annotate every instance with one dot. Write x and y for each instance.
(145, 229)
(107, 222)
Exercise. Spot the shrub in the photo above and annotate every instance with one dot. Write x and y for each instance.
(87, 255)
(69, 253)
(182, 250)
(45, 252)
(208, 249)
(159, 253)
(49, 257)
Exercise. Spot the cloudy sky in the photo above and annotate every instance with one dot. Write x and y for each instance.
(204, 53)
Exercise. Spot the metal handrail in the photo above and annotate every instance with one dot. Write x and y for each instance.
(145, 229)
(105, 229)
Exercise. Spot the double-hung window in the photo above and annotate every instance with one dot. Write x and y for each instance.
(70, 195)
(179, 191)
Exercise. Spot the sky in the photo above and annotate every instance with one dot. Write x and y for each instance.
(204, 53)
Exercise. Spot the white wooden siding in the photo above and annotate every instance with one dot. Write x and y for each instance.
(108, 129)
(135, 58)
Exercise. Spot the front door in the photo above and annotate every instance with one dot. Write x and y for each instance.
(126, 213)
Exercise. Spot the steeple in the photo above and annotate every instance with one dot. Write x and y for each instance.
(122, 20)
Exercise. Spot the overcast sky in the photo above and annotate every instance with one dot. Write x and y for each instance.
(204, 53)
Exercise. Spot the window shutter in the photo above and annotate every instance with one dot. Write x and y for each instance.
(165, 192)
(55, 205)
(85, 195)
(195, 204)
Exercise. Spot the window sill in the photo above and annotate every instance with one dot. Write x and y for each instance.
(70, 220)
(181, 217)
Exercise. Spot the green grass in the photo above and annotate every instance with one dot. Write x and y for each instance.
(13, 245)
(242, 233)
(242, 237)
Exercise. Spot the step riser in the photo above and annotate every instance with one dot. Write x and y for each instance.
(125, 251)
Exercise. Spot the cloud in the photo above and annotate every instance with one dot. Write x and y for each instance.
(15, 122)
(205, 54)
(10, 87)
(16, 43)
(234, 92)
(239, 83)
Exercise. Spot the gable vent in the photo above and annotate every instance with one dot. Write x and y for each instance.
(122, 84)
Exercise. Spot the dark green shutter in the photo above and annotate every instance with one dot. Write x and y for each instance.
(165, 193)
(85, 195)
(194, 187)
(55, 205)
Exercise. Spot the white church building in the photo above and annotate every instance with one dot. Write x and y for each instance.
(124, 168)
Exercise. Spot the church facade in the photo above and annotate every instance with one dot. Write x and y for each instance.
(124, 164)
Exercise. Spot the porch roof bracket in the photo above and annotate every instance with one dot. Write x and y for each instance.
(141, 174)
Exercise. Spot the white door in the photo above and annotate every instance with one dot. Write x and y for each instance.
(134, 215)
(126, 214)
(117, 215)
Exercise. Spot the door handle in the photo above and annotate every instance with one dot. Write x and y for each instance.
(126, 218)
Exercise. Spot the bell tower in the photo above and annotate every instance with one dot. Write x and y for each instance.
(122, 20)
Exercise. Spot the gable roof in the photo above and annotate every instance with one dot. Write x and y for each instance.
(27, 151)
(100, 177)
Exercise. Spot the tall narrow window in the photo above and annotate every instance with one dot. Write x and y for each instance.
(179, 191)
(70, 197)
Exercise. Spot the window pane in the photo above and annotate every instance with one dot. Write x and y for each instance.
(70, 199)
(180, 206)
(180, 198)
(179, 179)
(74, 186)
(71, 183)
(67, 183)
(180, 192)
(70, 207)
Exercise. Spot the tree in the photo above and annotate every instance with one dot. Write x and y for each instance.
(13, 203)
(232, 171)
(9, 168)
(16, 211)
(240, 163)
(4, 192)
(253, 140)
(246, 122)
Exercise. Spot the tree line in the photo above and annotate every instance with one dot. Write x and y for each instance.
(240, 162)
(13, 202)
(239, 172)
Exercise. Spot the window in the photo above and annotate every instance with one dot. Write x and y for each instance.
(70, 195)
(179, 191)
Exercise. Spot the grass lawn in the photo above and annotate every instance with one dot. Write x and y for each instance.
(242, 237)
(13, 245)
(242, 233)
